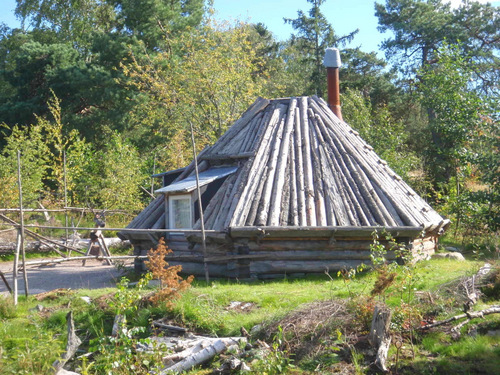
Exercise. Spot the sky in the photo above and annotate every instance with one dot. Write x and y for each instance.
(344, 15)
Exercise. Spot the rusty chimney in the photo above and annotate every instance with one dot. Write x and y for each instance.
(332, 63)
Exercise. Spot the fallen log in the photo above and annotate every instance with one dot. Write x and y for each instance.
(469, 315)
(71, 347)
(199, 351)
(169, 327)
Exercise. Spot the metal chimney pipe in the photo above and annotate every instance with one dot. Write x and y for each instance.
(332, 63)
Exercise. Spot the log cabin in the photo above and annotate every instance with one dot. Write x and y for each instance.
(289, 189)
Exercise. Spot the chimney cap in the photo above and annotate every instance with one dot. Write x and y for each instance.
(332, 58)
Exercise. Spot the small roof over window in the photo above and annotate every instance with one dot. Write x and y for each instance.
(189, 184)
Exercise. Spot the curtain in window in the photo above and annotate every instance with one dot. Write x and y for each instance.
(181, 209)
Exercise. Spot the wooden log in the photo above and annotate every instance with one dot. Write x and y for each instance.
(327, 232)
(379, 336)
(139, 219)
(202, 166)
(5, 282)
(215, 206)
(254, 205)
(153, 216)
(319, 199)
(301, 255)
(222, 216)
(332, 168)
(249, 134)
(246, 213)
(257, 131)
(259, 105)
(72, 345)
(343, 166)
(61, 260)
(312, 244)
(15, 271)
(285, 201)
(469, 315)
(308, 172)
(373, 204)
(40, 237)
(223, 157)
(293, 212)
(269, 188)
(256, 169)
(201, 352)
(299, 171)
(335, 212)
(169, 327)
(215, 203)
(281, 162)
(400, 193)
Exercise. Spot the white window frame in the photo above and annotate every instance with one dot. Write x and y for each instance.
(171, 216)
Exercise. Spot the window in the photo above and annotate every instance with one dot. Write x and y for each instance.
(180, 212)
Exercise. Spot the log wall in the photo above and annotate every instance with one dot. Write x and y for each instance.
(277, 257)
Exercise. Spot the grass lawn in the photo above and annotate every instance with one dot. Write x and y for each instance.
(30, 339)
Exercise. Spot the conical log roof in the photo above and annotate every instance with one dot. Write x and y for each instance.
(299, 165)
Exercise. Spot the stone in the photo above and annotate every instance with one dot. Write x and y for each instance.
(255, 329)
(86, 299)
(452, 256)
(38, 308)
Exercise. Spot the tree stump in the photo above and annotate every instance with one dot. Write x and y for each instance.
(379, 336)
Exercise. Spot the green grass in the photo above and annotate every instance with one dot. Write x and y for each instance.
(203, 308)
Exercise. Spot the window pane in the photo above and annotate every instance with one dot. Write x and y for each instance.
(181, 210)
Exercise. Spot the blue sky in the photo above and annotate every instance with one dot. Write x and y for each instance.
(344, 15)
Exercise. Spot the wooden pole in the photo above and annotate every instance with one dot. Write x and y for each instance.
(15, 271)
(152, 178)
(21, 230)
(65, 198)
(200, 206)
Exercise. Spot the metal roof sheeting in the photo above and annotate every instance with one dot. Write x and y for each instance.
(189, 184)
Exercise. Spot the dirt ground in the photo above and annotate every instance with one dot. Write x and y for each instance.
(42, 278)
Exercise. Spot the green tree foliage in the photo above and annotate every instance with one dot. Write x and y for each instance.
(156, 22)
(378, 127)
(75, 49)
(366, 73)
(119, 175)
(421, 27)
(467, 156)
(215, 80)
(465, 150)
(307, 47)
(34, 166)
(107, 178)
(70, 20)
